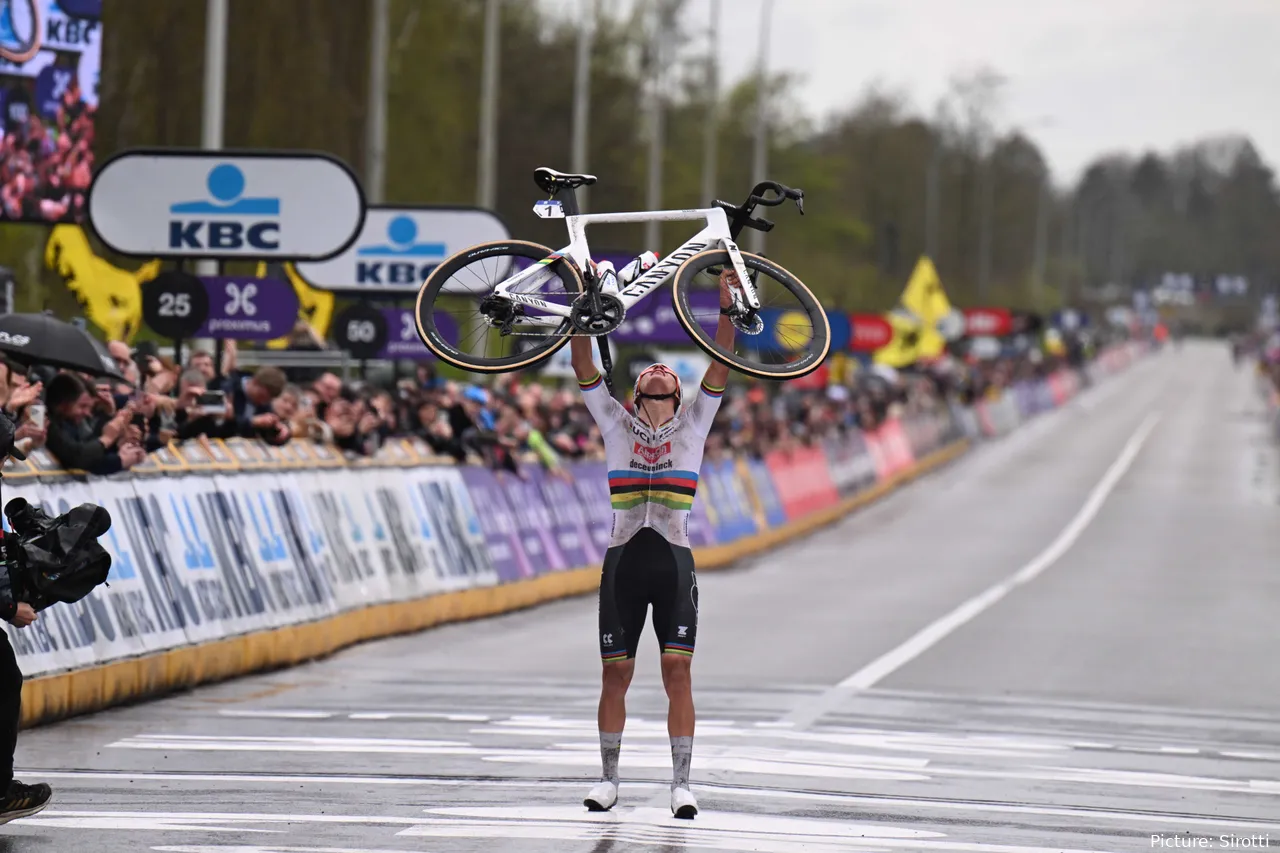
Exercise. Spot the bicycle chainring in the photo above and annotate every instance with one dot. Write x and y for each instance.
(596, 313)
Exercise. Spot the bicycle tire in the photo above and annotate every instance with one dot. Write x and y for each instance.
(23, 51)
(424, 317)
(819, 344)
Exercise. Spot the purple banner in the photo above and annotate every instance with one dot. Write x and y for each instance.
(51, 84)
(591, 483)
(569, 521)
(249, 309)
(402, 334)
(701, 531)
(497, 522)
(533, 519)
(653, 320)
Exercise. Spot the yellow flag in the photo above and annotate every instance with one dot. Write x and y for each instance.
(110, 296)
(314, 306)
(925, 298)
(904, 347)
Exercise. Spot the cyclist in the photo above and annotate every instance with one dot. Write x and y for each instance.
(653, 459)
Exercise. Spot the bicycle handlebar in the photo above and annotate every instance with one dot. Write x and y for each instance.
(741, 214)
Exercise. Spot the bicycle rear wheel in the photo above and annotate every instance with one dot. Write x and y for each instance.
(452, 326)
(793, 336)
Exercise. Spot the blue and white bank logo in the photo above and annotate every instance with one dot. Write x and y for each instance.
(402, 243)
(228, 219)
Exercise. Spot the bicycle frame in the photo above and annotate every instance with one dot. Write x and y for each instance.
(578, 251)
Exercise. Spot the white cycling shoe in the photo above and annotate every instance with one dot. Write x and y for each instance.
(683, 804)
(602, 797)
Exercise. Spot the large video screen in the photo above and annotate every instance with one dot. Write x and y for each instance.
(50, 52)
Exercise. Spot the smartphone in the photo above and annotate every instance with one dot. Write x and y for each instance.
(212, 402)
(36, 412)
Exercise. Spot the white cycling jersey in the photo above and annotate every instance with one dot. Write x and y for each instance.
(653, 471)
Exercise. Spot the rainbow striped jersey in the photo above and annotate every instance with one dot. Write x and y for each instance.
(653, 471)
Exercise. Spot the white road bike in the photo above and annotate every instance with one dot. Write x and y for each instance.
(531, 299)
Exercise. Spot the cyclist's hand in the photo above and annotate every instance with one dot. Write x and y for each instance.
(728, 279)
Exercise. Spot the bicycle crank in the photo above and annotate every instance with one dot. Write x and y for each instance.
(596, 313)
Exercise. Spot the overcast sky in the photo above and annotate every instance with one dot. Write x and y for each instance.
(1084, 76)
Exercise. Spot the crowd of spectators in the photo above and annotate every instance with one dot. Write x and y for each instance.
(46, 166)
(103, 427)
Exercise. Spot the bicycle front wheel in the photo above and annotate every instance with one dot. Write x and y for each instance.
(791, 337)
(453, 327)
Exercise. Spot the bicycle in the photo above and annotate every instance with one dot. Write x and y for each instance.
(523, 304)
(20, 28)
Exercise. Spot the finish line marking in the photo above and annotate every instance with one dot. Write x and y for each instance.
(885, 665)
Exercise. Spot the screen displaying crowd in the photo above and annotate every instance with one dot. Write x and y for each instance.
(102, 427)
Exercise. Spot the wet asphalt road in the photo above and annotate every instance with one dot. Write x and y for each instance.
(1097, 595)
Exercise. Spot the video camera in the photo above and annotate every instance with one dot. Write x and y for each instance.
(51, 560)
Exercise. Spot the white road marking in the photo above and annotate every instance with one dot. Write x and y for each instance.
(720, 791)
(253, 848)
(931, 635)
(197, 821)
(711, 830)
(279, 715)
(418, 715)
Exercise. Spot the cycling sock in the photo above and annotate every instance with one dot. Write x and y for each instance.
(681, 758)
(610, 747)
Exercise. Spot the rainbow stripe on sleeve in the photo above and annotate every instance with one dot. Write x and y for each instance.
(591, 384)
(712, 391)
(672, 489)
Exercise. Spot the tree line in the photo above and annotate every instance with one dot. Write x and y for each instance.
(884, 182)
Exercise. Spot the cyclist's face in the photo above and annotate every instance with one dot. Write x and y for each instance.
(655, 412)
(657, 383)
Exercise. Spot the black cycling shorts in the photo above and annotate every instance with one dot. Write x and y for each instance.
(647, 570)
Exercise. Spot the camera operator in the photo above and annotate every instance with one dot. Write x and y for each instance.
(17, 800)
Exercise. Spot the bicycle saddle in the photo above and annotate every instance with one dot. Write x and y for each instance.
(549, 180)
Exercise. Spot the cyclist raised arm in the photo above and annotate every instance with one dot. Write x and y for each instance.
(717, 375)
(653, 462)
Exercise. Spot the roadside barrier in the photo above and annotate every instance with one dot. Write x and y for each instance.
(234, 557)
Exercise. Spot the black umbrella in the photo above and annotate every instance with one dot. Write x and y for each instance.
(32, 339)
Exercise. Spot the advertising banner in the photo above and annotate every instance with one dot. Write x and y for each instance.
(726, 502)
(249, 309)
(533, 518)
(852, 468)
(443, 513)
(591, 483)
(568, 521)
(802, 479)
(403, 340)
(291, 591)
(398, 247)
(172, 203)
(766, 493)
(897, 449)
(219, 597)
(336, 543)
(502, 539)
